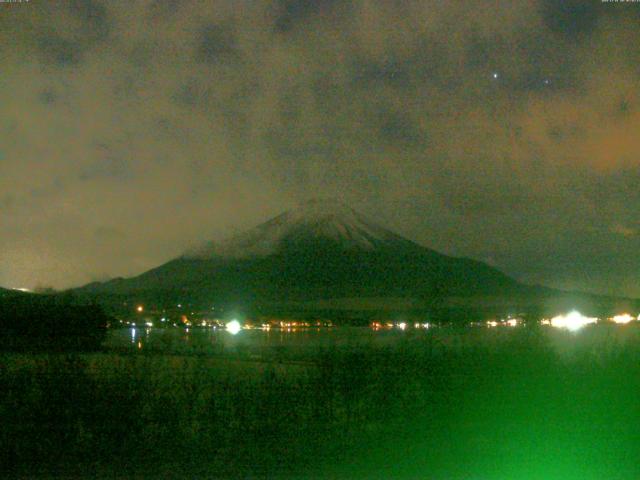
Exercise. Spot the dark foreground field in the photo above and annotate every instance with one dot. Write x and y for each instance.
(427, 407)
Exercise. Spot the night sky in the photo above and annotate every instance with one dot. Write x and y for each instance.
(506, 131)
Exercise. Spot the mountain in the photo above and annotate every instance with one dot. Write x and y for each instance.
(320, 251)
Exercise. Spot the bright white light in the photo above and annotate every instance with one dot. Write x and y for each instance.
(622, 319)
(133, 335)
(572, 321)
(495, 75)
(22, 289)
(402, 325)
(492, 323)
(512, 322)
(234, 327)
(149, 324)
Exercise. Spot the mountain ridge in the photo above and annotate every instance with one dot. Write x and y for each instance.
(319, 250)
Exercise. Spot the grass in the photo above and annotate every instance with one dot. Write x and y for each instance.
(463, 405)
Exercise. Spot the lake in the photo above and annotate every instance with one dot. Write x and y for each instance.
(299, 343)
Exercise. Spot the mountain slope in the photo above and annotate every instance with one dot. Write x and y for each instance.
(320, 250)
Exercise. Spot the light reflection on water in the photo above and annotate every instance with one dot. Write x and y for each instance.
(209, 340)
(258, 342)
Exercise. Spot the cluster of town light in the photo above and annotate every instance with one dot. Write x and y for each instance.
(508, 322)
(571, 321)
(575, 320)
(624, 318)
(399, 325)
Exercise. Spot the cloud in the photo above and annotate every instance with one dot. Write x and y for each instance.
(179, 122)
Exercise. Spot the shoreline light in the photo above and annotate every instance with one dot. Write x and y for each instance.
(573, 321)
(622, 319)
(233, 327)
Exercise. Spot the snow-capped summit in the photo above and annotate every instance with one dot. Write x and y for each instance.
(314, 220)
